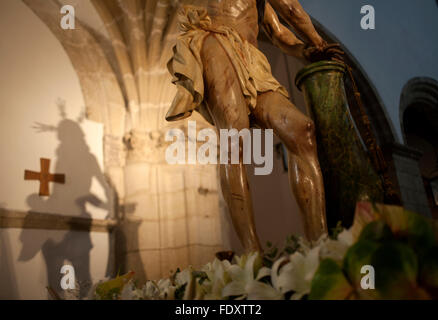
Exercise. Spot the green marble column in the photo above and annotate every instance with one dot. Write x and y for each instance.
(347, 170)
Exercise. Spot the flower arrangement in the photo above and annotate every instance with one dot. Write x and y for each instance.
(402, 247)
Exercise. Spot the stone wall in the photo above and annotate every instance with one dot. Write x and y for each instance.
(409, 178)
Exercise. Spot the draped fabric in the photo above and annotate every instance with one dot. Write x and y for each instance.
(251, 66)
(169, 216)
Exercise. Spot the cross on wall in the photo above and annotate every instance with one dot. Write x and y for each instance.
(44, 177)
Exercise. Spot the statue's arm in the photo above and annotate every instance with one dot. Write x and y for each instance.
(293, 13)
(281, 36)
(315, 49)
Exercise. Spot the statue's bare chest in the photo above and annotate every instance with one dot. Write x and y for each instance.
(240, 15)
(232, 9)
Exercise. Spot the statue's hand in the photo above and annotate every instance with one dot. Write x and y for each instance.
(326, 51)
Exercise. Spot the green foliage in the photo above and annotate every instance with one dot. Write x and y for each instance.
(396, 268)
(336, 231)
(359, 255)
(330, 283)
(200, 275)
(401, 247)
(409, 227)
(428, 277)
(376, 231)
(274, 253)
(112, 288)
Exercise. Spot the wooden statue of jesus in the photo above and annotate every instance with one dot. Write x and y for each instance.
(220, 73)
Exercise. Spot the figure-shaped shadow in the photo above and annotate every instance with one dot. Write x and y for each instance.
(80, 166)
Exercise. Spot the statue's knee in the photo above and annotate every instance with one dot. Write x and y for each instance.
(309, 128)
(307, 134)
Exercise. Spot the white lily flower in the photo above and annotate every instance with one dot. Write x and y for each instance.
(129, 292)
(218, 278)
(167, 290)
(242, 275)
(185, 278)
(336, 249)
(151, 291)
(261, 291)
(297, 275)
(346, 237)
(263, 272)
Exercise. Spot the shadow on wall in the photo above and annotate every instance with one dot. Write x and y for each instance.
(72, 247)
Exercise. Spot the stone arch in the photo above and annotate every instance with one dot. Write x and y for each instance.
(422, 91)
(419, 124)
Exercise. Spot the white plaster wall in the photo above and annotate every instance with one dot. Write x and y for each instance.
(35, 73)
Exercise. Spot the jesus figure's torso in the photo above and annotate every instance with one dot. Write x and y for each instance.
(241, 15)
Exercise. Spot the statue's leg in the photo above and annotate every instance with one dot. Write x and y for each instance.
(228, 108)
(296, 130)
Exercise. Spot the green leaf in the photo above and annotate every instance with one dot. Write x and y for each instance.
(406, 225)
(364, 214)
(428, 277)
(112, 288)
(396, 268)
(359, 255)
(330, 283)
(337, 230)
(201, 275)
(376, 231)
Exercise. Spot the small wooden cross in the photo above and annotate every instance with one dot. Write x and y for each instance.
(44, 177)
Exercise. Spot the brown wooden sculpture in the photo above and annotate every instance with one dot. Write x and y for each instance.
(220, 72)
